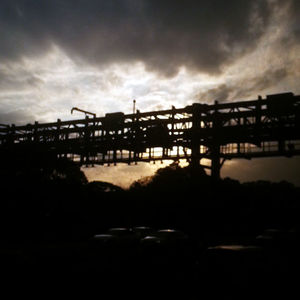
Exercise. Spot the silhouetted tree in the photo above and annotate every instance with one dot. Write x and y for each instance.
(170, 179)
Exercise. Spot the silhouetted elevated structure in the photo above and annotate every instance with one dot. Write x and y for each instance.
(246, 129)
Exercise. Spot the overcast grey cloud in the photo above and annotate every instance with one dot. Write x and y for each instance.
(243, 88)
(202, 35)
(17, 114)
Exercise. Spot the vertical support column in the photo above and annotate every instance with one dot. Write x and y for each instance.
(86, 136)
(137, 137)
(114, 143)
(281, 140)
(172, 132)
(195, 141)
(35, 134)
(215, 161)
(257, 125)
(11, 134)
(93, 138)
(215, 144)
(58, 152)
(35, 155)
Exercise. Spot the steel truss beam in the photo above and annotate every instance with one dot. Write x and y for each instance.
(217, 132)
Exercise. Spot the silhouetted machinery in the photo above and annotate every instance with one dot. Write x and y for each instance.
(281, 104)
(157, 135)
(113, 121)
(84, 111)
(218, 132)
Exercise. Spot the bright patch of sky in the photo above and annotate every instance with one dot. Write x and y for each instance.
(51, 85)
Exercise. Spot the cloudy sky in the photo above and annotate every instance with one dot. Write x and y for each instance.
(99, 55)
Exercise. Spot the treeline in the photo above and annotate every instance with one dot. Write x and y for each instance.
(57, 203)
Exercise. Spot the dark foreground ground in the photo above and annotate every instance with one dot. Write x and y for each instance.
(233, 241)
(128, 267)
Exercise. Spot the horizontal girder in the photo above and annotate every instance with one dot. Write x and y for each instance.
(245, 129)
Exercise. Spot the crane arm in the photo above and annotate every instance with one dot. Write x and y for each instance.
(84, 111)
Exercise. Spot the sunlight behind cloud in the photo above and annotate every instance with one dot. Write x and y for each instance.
(52, 84)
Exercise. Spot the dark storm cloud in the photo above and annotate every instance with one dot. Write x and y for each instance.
(17, 117)
(220, 93)
(201, 35)
(243, 88)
